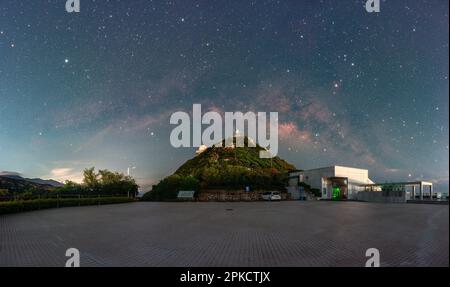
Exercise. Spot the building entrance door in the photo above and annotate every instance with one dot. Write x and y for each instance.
(339, 188)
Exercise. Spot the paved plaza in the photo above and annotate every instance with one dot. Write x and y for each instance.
(253, 234)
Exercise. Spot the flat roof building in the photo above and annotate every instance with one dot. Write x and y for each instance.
(340, 183)
(334, 182)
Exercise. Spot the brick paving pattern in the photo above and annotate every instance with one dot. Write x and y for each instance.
(210, 234)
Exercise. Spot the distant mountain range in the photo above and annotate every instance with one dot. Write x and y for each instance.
(14, 181)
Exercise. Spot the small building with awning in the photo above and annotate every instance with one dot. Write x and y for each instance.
(413, 190)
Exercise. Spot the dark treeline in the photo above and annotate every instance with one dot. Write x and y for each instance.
(103, 182)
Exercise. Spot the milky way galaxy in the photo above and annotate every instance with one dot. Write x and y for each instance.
(97, 88)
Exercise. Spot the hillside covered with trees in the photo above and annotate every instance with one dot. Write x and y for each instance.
(225, 168)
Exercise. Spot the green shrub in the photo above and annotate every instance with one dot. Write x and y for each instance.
(316, 192)
(305, 185)
(29, 205)
(168, 188)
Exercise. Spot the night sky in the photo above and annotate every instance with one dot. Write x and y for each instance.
(97, 88)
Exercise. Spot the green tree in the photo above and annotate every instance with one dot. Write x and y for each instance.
(110, 183)
(90, 179)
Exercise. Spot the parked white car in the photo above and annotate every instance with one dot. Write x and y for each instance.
(271, 196)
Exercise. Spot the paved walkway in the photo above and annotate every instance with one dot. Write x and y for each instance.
(210, 234)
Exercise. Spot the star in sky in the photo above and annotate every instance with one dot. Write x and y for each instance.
(361, 81)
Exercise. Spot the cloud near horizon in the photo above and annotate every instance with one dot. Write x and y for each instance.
(66, 174)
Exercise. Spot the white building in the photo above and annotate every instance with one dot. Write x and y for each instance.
(335, 182)
(339, 182)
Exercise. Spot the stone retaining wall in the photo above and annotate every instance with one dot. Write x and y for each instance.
(235, 195)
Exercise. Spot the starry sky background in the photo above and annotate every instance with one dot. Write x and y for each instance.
(97, 88)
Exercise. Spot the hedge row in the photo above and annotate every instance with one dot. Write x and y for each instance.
(29, 205)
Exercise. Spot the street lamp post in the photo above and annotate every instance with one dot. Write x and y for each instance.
(129, 173)
(129, 170)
